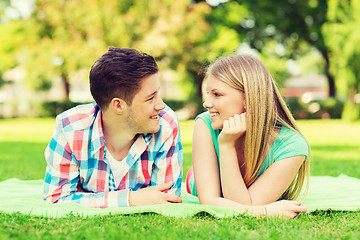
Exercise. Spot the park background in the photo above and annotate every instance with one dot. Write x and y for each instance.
(311, 48)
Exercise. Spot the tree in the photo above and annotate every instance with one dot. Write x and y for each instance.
(290, 23)
(343, 38)
(62, 37)
(8, 45)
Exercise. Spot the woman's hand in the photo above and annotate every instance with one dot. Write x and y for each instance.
(283, 208)
(233, 128)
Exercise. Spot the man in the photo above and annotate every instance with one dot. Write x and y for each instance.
(125, 149)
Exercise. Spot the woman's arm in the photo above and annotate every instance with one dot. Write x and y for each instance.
(205, 164)
(275, 180)
(206, 173)
(233, 185)
(268, 187)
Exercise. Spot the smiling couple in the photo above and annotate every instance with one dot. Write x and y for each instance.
(125, 149)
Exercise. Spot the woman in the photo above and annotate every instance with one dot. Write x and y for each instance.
(247, 150)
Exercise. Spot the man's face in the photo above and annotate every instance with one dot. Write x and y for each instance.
(142, 115)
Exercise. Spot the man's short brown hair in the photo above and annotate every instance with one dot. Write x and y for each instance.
(118, 73)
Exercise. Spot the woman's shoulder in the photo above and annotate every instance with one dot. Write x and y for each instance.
(289, 142)
(204, 116)
(287, 134)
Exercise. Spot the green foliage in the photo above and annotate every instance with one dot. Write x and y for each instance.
(11, 40)
(279, 30)
(224, 34)
(62, 38)
(343, 38)
(276, 64)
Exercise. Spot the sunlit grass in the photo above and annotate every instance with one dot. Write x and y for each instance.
(26, 130)
(335, 146)
(331, 132)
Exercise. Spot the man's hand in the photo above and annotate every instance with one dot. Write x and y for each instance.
(153, 195)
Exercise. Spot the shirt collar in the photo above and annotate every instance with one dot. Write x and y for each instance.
(97, 135)
(147, 137)
(98, 140)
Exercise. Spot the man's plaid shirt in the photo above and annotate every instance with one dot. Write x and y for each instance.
(76, 155)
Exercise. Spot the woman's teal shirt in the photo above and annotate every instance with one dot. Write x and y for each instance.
(289, 143)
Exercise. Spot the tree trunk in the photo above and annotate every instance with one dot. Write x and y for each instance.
(199, 81)
(329, 76)
(66, 84)
(351, 111)
(197, 97)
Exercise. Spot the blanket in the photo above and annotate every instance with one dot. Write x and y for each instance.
(25, 196)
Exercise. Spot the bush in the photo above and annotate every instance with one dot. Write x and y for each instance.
(332, 106)
(316, 109)
(351, 112)
(175, 104)
(53, 108)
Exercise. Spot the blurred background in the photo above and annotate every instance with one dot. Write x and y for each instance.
(311, 47)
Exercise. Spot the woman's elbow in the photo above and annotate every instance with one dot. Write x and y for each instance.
(208, 200)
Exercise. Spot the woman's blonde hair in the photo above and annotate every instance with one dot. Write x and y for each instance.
(265, 109)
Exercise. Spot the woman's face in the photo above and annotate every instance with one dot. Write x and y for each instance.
(222, 101)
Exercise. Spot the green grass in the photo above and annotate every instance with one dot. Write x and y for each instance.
(335, 150)
(325, 226)
(335, 146)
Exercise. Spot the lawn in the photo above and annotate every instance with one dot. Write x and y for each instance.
(335, 150)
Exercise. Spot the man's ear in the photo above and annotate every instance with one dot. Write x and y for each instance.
(117, 105)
